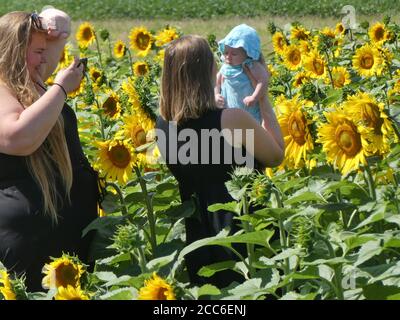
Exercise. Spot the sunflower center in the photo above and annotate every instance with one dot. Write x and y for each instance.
(161, 294)
(295, 56)
(367, 61)
(339, 79)
(96, 75)
(142, 69)
(138, 136)
(372, 118)
(66, 274)
(87, 34)
(348, 139)
(297, 127)
(119, 156)
(142, 41)
(318, 67)
(110, 106)
(379, 34)
(301, 35)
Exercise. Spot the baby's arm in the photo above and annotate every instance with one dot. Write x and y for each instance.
(257, 71)
(219, 99)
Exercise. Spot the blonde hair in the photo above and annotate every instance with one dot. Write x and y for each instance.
(187, 80)
(16, 30)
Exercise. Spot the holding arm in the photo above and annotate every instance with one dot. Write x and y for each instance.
(219, 99)
(259, 80)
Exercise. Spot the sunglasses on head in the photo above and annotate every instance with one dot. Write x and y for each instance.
(36, 21)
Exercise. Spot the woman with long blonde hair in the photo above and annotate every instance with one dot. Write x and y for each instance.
(200, 143)
(48, 191)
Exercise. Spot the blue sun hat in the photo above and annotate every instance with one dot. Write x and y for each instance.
(245, 37)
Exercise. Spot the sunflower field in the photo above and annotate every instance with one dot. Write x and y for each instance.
(328, 223)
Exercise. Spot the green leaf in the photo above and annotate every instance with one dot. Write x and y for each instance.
(208, 290)
(304, 197)
(210, 270)
(276, 213)
(333, 95)
(158, 263)
(377, 291)
(378, 215)
(367, 251)
(184, 210)
(120, 294)
(105, 276)
(232, 206)
(297, 296)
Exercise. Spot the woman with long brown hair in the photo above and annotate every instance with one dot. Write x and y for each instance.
(48, 191)
(188, 110)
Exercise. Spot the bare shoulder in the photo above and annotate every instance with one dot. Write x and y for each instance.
(235, 118)
(8, 102)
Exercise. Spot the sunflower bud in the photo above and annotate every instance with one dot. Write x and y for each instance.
(125, 238)
(261, 190)
(212, 41)
(386, 20)
(364, 24)
(271, 28)
(309, 92)
(104, 34)
(89, 95)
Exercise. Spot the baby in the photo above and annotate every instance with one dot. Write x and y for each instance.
(234, 89)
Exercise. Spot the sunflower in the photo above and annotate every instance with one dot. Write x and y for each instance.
(344, 143)
(292, 57)
(66, 57)
(111, 105)
(377, 33)
(85, 35)
(367, 61)
(295, 128)
(165, 36)
(340, 29)
(128, 87)
(366, 111)
(301, 78)
(140, 68)
(340, 77)
(119, 49)
(62, 272)
(299, 33)
(141, 40)
(6, 288)
(96, 76)
(315, 64)
(116, 159)
(328, 32)
(70, 293)
(136, 130)
(279, 42)
(160, 57)
(156, 288)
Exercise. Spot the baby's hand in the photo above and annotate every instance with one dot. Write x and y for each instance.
(249, 101)
(219, 99)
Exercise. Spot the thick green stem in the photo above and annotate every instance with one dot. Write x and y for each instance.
(371, 184)
(130, 61)
(98, 50)
(149, 211)
(329, 70)
(249, 246)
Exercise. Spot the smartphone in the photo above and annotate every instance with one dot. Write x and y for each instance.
(83, 61)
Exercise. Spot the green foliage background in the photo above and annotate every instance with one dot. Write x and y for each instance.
(178, 9)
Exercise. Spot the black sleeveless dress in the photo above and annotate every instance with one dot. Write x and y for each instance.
(27, 236)
(207, 183)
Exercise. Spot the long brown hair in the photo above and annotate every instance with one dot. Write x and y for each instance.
(16, 30)
(187, 79)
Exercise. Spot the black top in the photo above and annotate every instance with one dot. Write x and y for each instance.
(27, 236)
(207, 182)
